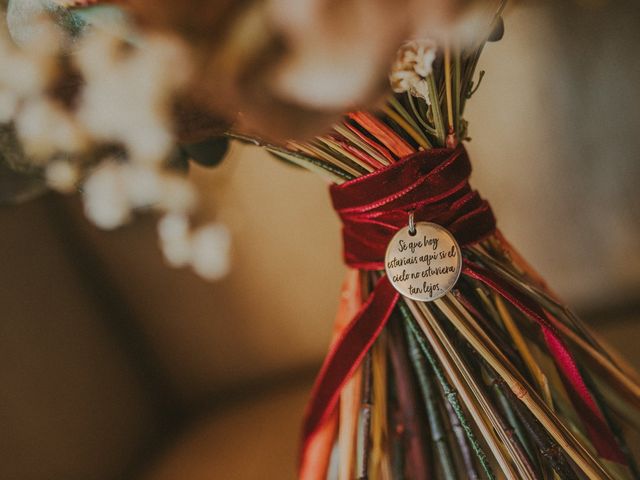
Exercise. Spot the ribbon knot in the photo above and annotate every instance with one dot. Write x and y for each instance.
(434, 184)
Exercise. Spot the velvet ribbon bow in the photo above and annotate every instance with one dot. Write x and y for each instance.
(434, 185)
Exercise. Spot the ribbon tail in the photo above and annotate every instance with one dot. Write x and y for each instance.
(597, 428)
(317, 457)
(596, 425)
(344, 358)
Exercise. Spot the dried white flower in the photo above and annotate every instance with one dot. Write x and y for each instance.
(210, 255)
(207, 248)
(105, 197)
(413, 65)
(175, 239)
(46, 129)
(143, 184)
(333, 60)
(62, 176)
(178, 194)
(26, 73)
(127, 97)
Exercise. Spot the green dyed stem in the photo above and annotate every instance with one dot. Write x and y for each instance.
(512, 419)
(449, 392)
(435, 109)
(551, 452)
(434, 413)
(463, 445)
(395, 103)
(416, 111)
(310, 163)
(457, 94)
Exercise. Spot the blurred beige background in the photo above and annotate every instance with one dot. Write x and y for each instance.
(114, 366)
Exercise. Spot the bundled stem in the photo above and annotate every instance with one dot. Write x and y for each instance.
(413, 435)
(470, 384)
(449, 393)
(434, 412)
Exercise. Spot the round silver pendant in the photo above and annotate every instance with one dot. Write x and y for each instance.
(424, 265)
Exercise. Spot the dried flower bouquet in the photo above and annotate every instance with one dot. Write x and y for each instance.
(495, 379)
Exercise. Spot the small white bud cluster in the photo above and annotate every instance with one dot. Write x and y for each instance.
(206, 249)
(411, 68)
(125, 100)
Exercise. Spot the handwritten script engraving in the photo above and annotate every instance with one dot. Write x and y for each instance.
(426, 265)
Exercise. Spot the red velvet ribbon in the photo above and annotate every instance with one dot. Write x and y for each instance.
(433, 184)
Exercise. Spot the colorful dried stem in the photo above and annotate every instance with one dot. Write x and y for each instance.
(449, 393)
(380, 468)
(576, 451)
(550, 450)
(487, 422)
(348, 428)
(413, 435)
(508, 427)
(364, 420)
(430, 397)
(463, 444)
